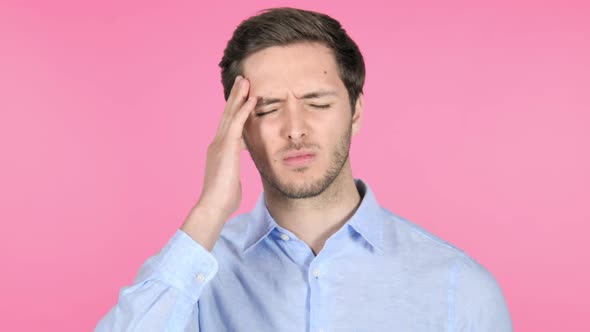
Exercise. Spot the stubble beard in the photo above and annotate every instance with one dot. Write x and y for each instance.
(315, 188)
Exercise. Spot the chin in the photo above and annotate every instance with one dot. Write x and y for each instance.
(297, 185)
(305, 174)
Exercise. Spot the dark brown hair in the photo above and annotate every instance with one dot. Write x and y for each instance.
(283, 26)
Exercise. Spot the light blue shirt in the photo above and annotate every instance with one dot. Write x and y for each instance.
(379, 272)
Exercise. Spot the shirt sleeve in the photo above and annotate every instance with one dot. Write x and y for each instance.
(479, 303)
(164, 295)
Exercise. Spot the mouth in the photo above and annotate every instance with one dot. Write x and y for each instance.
(299, 159)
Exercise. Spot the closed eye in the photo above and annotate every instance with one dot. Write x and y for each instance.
(320, 106)
(265, 113)
(312, 105)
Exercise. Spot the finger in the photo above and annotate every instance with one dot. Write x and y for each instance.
(241, 96)
(237, 125)
(233, 90)
(234, 105)
(225, 116)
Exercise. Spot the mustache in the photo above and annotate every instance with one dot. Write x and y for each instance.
(299, 146)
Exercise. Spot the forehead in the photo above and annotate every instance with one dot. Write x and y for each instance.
(296, 68)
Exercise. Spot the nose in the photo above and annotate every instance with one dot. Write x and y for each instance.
(294, 124)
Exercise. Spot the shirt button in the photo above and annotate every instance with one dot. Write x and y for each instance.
(200, 277)
(316, 274)
(285, 237)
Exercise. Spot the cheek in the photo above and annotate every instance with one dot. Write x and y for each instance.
(338, 122)
(260, 137)
(257, 130)
(267, 140)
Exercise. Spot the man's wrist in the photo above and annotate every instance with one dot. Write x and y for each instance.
(204, 225)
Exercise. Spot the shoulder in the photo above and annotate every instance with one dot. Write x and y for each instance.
(404, 236)
(477, 299)
(418, 244)
(413, 238)
(474, 294)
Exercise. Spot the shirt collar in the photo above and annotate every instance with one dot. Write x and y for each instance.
(367, 220)
(260, 224)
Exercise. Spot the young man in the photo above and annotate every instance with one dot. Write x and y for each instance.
(317, 253)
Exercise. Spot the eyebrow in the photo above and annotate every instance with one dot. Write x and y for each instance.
(262, 101)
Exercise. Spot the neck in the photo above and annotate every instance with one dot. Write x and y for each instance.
(315, 219)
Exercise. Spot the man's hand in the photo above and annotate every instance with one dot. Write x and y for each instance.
(222, 192)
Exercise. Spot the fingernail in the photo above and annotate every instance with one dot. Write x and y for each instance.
(237, 78)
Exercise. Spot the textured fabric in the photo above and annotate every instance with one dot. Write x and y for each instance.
(379, 272)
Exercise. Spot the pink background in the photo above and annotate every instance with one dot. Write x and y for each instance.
(477, 127)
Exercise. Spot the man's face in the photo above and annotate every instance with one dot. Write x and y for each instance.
(299, 135)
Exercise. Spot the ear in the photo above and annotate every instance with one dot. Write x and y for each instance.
(358, 115)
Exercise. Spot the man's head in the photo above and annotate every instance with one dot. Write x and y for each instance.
(307, 76)
(285, 26)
